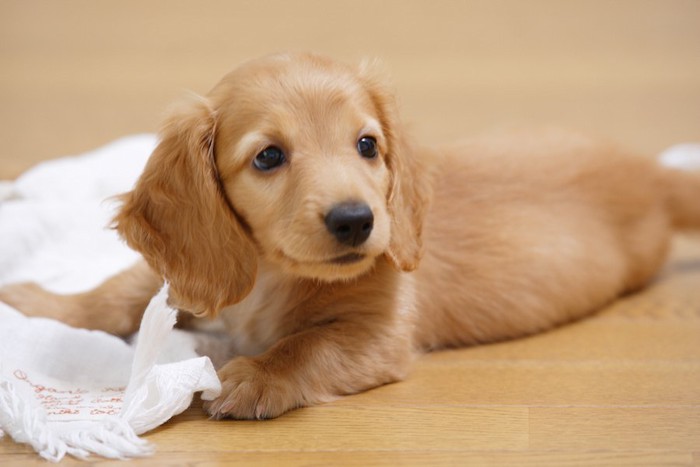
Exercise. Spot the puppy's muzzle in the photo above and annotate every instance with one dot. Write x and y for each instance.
(350, 223)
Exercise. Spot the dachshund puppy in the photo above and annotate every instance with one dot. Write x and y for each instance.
(291, 203)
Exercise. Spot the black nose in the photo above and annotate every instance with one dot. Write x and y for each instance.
(350, 223)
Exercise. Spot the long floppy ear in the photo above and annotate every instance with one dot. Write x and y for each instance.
(409, 191)
(178, 217)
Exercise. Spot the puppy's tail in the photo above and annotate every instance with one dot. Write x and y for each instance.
(682, 176)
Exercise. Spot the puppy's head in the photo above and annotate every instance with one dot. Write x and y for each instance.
(293, 159)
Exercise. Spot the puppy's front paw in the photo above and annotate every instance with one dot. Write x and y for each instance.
(248, 391)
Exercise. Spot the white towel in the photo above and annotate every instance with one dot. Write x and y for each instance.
(72, 391)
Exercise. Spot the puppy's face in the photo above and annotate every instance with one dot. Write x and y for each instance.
(301, 154)
(295, 158)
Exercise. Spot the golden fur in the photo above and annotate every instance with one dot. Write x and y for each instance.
(489, 239)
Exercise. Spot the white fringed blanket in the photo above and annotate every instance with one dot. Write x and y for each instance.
(72, 391)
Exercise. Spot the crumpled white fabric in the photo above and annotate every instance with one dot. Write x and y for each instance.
(683, 156)
(73, 391)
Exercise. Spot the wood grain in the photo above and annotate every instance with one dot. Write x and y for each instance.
(619, 388)
(615, 428)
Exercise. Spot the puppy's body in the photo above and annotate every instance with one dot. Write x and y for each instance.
(517, 233)
(517, 239)
(531, 230)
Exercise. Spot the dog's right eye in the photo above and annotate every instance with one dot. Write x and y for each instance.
(269, 158)
(367, 147)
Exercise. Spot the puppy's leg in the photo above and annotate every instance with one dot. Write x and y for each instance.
(315, 365)
(115, 306)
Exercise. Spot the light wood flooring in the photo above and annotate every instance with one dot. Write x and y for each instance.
(619, 388)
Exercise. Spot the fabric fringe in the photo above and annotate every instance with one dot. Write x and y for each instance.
(111, 438)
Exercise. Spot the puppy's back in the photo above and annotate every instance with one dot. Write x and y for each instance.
(533, 229)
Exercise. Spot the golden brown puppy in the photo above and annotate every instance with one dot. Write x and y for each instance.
(290, 202)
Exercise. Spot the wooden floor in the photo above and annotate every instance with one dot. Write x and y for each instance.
(621, 388)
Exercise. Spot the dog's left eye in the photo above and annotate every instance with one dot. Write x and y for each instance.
(367, 147)
(269, 158)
